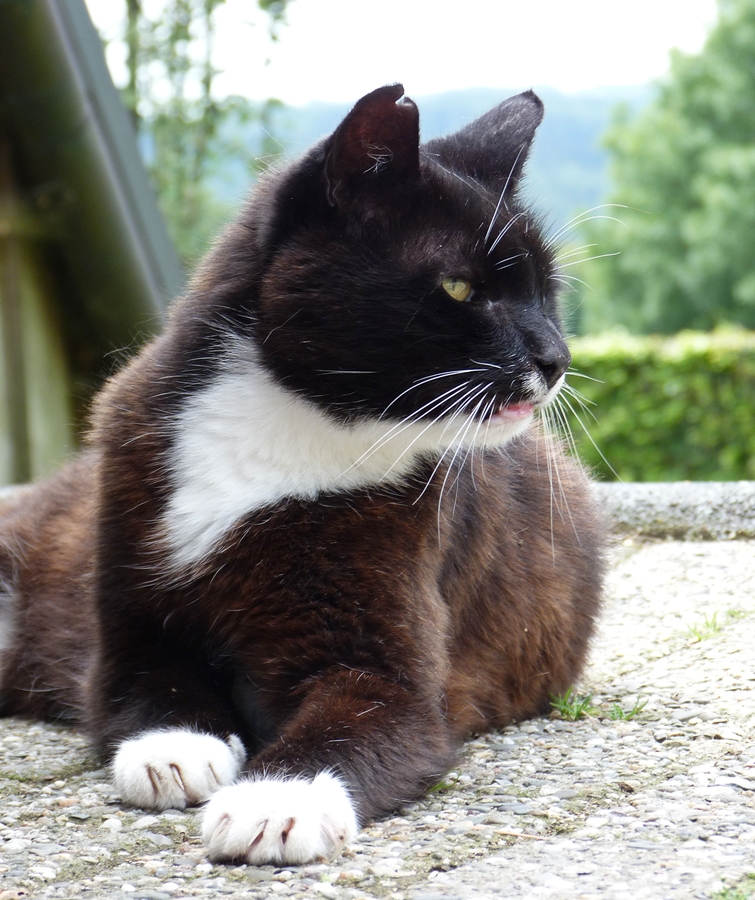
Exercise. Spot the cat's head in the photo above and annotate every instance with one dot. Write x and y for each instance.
(403, 281)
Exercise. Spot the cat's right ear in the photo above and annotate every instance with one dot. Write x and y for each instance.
(377, 142)
(494, 148)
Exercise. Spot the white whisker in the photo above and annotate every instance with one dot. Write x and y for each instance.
(451, 444)
(576, 252)
(495, 215)
(561, 488)
(504, 231)
(483, 417)
(589, 436)
(576, 262)
(433, 422)
(459, 442)
(426, 380)
(583, 402)
(501, 199)
(409, 420)
(585, 216)
(573, 373)
(569, 279)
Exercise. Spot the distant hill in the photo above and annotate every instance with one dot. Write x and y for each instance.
(567, 172)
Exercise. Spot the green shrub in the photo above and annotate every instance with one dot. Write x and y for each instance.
(667, 409)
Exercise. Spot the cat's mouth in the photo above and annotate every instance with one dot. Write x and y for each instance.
(511, 412)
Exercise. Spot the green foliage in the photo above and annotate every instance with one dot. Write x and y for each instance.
(183, 126)
(684, 173)
(573, 706)
(705, 629)
(617, 713)
(712, 625)
(668, 409)
(449, 783)
(742, 890)
(187, 151)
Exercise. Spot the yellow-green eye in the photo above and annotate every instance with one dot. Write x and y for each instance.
(457, 288)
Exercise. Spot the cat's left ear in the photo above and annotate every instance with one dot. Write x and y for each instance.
(376, 142)
(493, 148)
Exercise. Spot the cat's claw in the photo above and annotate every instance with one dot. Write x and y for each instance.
(279, 821)
(175, 768)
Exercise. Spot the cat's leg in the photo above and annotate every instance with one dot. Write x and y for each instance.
(170, 734)
(359, 746)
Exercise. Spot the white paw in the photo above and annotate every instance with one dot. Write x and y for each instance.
(283, 820)
(175, 767)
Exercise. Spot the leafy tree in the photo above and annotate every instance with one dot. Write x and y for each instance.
(685, 171)
(183, 127)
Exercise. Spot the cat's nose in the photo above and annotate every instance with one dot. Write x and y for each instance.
(552, 361)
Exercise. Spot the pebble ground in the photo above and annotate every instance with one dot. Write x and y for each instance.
(657, 803)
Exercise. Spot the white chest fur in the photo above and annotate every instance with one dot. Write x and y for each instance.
(244, 443)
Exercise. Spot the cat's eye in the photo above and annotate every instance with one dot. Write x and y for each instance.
(458, 288)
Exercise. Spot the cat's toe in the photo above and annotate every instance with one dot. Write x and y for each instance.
(175, 768)
(279, 821)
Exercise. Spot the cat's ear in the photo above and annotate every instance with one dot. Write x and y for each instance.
(493, 148)
(377, 141)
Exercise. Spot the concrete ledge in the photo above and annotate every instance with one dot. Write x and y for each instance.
(684, 510)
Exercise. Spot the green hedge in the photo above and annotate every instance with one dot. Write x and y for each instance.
(667, 409)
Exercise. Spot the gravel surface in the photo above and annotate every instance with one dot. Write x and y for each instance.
(660, 804)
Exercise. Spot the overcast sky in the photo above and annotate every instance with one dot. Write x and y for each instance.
(340, 49)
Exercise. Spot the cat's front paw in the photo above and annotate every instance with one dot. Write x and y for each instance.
(175, 768)
(279, 821)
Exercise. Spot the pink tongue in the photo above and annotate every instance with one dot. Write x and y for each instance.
(514, 411)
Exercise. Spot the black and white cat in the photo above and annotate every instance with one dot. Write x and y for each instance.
(318, 536)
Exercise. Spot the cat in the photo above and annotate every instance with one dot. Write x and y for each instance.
(317, 536)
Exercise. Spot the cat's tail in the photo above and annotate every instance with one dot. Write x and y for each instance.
(47, 626)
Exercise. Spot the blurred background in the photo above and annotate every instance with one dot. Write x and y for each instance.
(131, 130)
